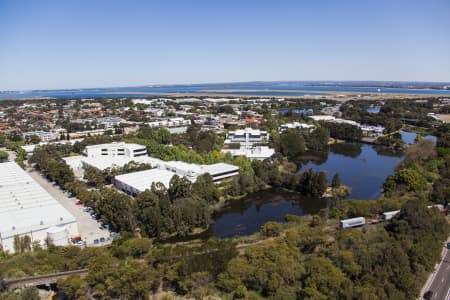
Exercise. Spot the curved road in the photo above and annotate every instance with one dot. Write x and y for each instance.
(440, 284)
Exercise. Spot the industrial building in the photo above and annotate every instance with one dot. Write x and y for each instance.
(258, 153)
(137, 182)
(116, 149)
(112, 155)
(116, 155)
(250, 143)
(296, 125)
(247, 137)
(27, 209)
(218, 171)
(44, 136)
(368, 130)
(170, 122)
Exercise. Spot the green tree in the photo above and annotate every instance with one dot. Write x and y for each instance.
(179, 187)
(412, 179)
(3, 156)
(336, 182)
(74, 287)
(292, 143)
(205, 188)
(94, 177)
(271, 229)
(323, 280)
(318, 139)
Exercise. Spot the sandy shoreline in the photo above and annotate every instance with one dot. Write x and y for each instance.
(331, 95)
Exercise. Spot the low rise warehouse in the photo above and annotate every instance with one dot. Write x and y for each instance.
(137, 182)
(116, 155)
(26, 209)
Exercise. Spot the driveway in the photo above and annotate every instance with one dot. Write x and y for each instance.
(88, 228)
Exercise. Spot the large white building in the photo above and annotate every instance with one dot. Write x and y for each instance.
(296, 125)
(367, 130)
(137, 182)
(116, 155)
(259, 153)
(27, 209)
(332, 119)
(250, 142)
(44, 136)
(247, 137)
(170, 122)
(108, 122)
(116, 150)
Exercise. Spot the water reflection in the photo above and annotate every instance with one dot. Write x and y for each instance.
(386, 151)
(410, 137)
(247, 216)
(347, 149)
(362, 167)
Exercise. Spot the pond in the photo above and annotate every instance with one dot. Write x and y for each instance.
(410, 137)
(362, 167)
(245, 217)
(374, 110)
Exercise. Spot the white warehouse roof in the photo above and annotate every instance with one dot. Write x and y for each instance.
(219, 168)
(25, 207)
(138, 182)
(142, 180)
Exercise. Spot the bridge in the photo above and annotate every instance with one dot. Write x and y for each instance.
(47, 279)
(11, 284)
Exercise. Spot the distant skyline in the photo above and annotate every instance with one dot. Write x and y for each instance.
(105, 43)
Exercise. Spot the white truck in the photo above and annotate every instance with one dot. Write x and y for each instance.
(353, 222)
(390, 214)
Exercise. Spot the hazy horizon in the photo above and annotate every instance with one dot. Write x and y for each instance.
(233, 82)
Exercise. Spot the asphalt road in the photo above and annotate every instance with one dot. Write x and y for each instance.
(440, 285)
(88, 228)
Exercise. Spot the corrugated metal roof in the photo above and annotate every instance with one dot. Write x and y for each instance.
(143, 180)
(25, 205)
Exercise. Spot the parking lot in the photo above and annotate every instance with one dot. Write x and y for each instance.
(90, 230)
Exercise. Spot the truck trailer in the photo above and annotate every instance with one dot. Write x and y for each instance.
(353, 222)
(390, 214)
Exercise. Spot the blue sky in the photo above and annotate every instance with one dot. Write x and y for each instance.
(102, 43)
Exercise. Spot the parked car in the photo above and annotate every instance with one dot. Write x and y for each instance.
(76, 239)
(102, 240)
(81, 243)
(96, 241)
(78, 202)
